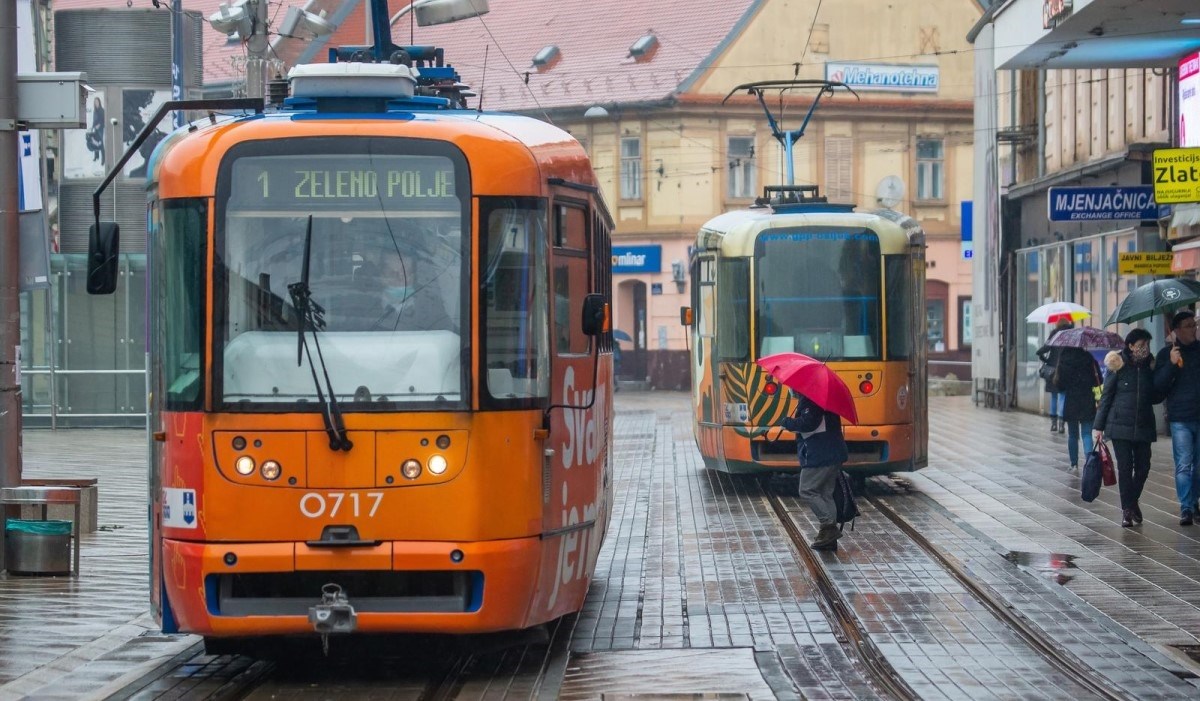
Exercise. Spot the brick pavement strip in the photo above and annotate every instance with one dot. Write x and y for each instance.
(69, 638)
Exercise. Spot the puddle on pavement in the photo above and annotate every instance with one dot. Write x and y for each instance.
(1049, 565)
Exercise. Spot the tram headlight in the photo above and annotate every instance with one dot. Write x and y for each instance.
(244, 465)
(437, 464)
(411, 469)
(271, 470)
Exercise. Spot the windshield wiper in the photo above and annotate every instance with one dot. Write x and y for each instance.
(311, 317)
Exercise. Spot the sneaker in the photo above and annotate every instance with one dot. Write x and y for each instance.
(1074, 469)
(1127, 518)
(1137, 515)
(1185, 519)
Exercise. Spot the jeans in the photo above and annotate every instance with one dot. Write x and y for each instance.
(816, 491)
(1133, 467)
(1185, 448)
(1073, 433)
(1057, 401)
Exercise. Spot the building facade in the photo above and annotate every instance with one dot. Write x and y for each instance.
(1072, 101)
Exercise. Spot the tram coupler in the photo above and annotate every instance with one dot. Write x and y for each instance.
(334, 614)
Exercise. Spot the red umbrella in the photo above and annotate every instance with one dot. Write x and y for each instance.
(813, 379)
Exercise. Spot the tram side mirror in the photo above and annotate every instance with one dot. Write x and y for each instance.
(685, 316)
(104, 247)
(595, 315)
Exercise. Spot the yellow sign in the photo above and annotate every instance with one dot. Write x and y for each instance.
(1177, 175)
(1145, 263)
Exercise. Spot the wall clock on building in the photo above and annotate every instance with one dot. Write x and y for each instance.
(890, 191)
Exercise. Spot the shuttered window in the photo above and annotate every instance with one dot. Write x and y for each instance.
(839, 172)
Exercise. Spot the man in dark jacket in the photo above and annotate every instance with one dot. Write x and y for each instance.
(822, 450)
(1177, 375)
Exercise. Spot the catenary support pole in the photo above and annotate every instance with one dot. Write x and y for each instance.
(10, 301)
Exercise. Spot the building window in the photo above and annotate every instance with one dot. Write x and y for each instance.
(965, 332)
(631, 168)
(931, 164)
(741, 167)
(935, 318)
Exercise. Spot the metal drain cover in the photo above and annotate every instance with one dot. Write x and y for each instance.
(662, 675)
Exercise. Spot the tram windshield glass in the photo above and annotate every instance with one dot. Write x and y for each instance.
(387, 270)
(818, 293)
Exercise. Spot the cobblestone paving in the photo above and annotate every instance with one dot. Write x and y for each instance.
(698, 560)
(1005, 475)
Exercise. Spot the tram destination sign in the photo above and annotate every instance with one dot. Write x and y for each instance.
(341, 181)
(1102, 203)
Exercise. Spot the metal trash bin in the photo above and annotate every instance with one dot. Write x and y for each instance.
(37, 547)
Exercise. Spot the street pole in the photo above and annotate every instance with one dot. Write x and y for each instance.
(257, 45)
(10, 236)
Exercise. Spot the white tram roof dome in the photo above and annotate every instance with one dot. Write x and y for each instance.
(353, 80)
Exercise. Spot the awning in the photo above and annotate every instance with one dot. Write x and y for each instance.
(1185, 256)
(1185, 215)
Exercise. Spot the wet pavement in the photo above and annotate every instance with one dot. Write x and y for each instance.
(698, 590)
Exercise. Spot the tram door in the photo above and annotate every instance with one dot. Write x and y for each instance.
(918, 384)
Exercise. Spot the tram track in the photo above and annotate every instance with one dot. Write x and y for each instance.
(1062, 660)
(854, 637)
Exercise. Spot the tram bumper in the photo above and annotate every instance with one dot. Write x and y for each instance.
(255, 589)
(872, 450)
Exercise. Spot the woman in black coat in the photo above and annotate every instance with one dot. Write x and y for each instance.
(1126, 415)
(1049, 355)
(1077, 376)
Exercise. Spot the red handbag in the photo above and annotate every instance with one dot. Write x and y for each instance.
(1106, 465)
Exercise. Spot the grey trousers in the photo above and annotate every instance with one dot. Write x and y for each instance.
(816, 491)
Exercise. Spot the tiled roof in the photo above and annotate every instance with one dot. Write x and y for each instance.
(593, 38)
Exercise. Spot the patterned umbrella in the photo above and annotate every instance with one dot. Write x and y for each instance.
(1088, 338)
(1158, 297)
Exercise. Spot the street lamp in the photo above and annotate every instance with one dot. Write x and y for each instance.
(431, 12)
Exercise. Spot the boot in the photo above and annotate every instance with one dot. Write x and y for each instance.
(1053, 424)
(1127, 518)
(827, 538)
(1137, 514)
(1062, 425)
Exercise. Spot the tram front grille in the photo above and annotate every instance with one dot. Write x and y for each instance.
(369, 591)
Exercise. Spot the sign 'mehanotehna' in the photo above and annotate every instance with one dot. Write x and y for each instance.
(1142, 263)
(1177, 175)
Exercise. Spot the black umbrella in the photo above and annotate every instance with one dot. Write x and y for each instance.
(1158, 297)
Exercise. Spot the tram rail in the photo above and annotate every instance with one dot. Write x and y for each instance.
(1061, 659)
(854, 637)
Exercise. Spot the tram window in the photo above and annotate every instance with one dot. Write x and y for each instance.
(733, 309)
(178, 250)
(515, 302)
(898, 276)
(570, 286)
(814, 286)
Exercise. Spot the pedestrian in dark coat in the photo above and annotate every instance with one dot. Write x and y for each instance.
(1049, 355)
(822, 450)
(1078, 375)
(1177, 377)
(1126, 415)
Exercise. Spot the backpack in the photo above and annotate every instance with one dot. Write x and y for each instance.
(843, 500)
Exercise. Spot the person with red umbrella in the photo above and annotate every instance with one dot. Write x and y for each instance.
(817, 423)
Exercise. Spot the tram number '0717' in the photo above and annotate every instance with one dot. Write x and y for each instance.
(333, 504)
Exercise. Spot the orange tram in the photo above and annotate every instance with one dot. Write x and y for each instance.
(381, 393)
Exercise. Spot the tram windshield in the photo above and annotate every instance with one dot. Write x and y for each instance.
(387, 271)
(818, 293)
